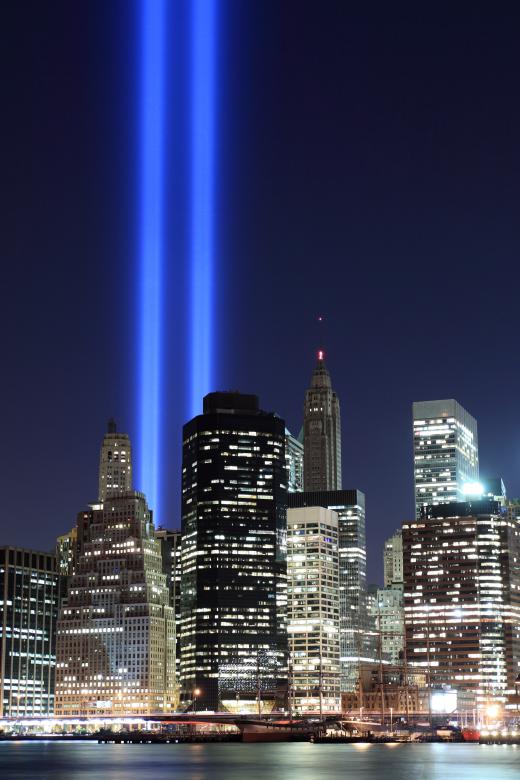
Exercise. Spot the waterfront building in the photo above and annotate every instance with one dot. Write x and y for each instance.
(30, 589)
(313, 610)
(116, 630)
(115, 464)
(294, 462)
(234, 568)
(462, 597)
(393, 561)
(445, 452)
(356, 635)
(321, 432)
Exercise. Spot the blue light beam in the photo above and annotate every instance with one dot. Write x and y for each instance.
(152, 25)
(203, 65)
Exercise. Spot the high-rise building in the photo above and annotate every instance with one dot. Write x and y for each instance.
(30, 589)
(294, 462)
(462, 597)
(313, 610)
(116, 630)
(393, 561)
(321, 432)
(355, 640)
(445, 452)
(234, 569)
(171, 558)
(115, 463)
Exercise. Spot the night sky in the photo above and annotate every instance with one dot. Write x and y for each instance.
(368, 170)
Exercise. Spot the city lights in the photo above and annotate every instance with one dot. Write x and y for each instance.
(473, 489)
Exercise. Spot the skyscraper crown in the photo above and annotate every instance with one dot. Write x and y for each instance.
(115, 463)
(321, 432)
(321, 376)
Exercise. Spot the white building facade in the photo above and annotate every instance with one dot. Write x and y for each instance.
(313, 618)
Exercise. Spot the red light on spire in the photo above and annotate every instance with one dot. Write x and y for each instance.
(321, 354)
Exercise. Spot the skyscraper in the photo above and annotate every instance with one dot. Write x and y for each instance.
(313, 609)
(116, 630)
(462, 597)
(294, 462)
(445, 452)
(30, 589)
(349, 505)
(115, 463)
(234, 577)
(321, 432)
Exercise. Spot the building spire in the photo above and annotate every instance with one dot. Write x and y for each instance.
(111, 426)
(321, 431)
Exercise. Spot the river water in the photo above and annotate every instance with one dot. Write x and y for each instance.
(285, 761)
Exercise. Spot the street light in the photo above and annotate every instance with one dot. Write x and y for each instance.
(196, 693)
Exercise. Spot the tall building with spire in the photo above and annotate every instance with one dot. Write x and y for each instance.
(116, 630)
(115, 463)
(321, 432)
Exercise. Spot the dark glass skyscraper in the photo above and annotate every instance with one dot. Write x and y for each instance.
(234, 575)
(30, 588)
(321, 432)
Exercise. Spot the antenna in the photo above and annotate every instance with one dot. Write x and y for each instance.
(320, 319)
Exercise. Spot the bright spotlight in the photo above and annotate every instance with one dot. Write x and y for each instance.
(473, 489)
(152, 26)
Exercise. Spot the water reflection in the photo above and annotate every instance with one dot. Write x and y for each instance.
(297, 761)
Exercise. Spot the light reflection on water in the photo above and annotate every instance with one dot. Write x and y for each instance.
(293, 761)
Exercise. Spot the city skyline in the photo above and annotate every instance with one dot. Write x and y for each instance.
(115, 475)
(366, 184)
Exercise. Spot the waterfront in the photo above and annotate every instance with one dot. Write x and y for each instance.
(287, 761)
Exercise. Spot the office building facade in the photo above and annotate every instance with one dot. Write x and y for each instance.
(321, 432)
(356, 641)
(234, 575)
(30, 589)
(313, 610)
(462, 597)
(445, 444)
(387, 611)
